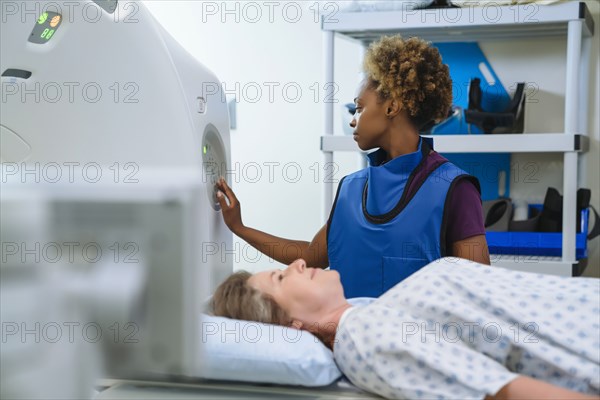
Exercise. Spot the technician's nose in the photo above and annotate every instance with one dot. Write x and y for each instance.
(353, 122)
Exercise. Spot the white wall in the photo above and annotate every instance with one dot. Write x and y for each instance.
(277, 46)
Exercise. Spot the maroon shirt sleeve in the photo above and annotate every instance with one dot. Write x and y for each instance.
(465, 215)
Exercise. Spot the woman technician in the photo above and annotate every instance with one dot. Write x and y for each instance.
(410, 206)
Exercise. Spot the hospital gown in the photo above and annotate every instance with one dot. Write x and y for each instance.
(458, 329)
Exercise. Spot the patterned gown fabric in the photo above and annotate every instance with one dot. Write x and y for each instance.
(458, 329)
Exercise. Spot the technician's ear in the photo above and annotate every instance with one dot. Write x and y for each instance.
(393, 108)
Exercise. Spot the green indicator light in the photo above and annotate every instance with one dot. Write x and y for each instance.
(43, 18)
(204, 149)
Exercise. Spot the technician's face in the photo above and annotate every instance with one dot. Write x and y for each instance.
(370, 122)
(304, 293)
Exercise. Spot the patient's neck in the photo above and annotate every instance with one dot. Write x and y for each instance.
(326, 327)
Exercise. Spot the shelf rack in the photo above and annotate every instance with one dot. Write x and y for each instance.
(571, 19)
(508, 143)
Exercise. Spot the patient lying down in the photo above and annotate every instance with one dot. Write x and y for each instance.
(455, 329)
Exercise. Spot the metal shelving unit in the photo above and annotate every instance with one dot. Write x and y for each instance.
(572, 20)
(509, 143)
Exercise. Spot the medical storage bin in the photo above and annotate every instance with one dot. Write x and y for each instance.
(538, 243)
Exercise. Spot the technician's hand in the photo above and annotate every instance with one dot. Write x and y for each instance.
(230, 206)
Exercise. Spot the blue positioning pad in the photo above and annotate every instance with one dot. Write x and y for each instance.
(466, 61)
(492, 170)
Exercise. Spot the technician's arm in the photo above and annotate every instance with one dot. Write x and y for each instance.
(474, 248)
(283, 250)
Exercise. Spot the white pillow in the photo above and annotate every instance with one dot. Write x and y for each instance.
(256, 352)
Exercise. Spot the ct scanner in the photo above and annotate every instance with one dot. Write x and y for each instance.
(110, 131)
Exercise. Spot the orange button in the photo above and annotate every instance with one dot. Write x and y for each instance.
(55, 21)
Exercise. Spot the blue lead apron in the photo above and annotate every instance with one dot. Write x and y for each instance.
(379, 234)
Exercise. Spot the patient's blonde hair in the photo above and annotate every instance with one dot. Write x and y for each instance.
(235, 298)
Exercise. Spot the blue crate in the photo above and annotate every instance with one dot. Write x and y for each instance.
(538, 243)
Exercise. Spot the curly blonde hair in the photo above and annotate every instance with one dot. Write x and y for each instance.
(235, 298)
(410, 71)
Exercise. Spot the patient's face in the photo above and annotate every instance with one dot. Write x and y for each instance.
(304, 293)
